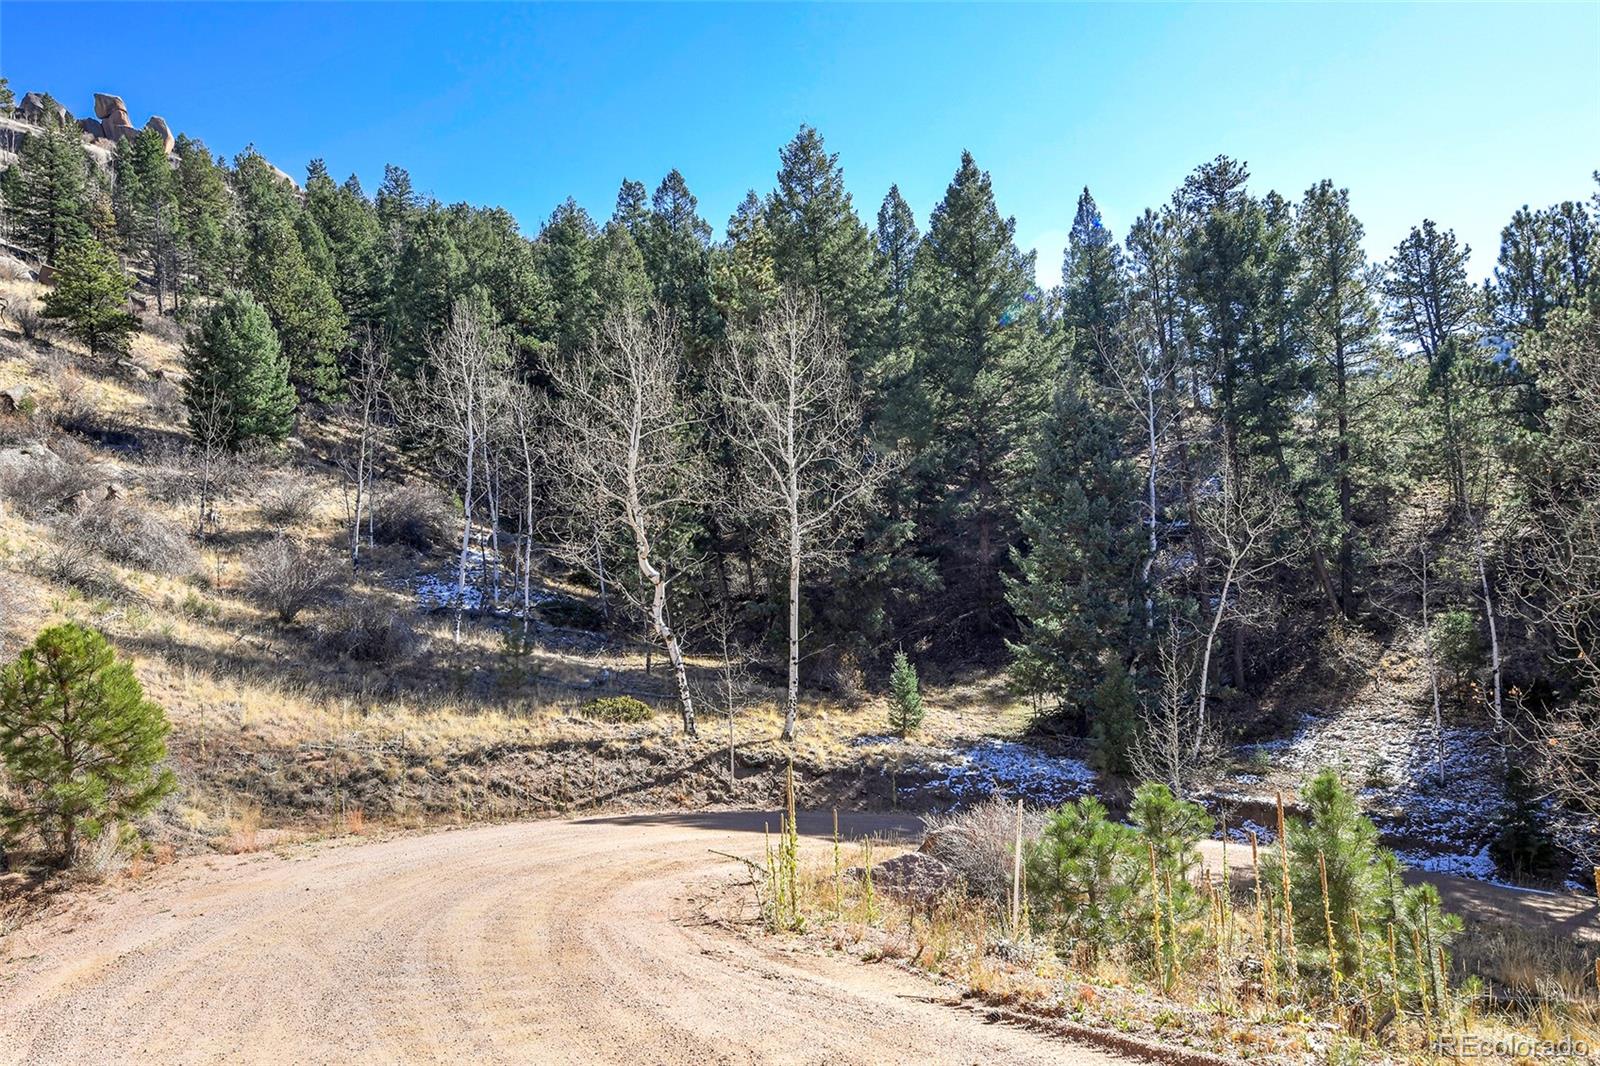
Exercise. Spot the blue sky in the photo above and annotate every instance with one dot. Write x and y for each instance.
(1460, 113)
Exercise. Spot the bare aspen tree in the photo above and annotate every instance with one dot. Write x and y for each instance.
(1173, 744)
(1420, 580)
(1497, 702)
(369, 396)
(211, 427)
(1239, 521)
(522, 433)
(732, 667)
(620, 438)
(796, 426)
(1432, 659)
(457, 398)
(1142, 376)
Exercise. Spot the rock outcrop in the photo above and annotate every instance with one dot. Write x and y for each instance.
(34, 108)
(110, 125)
(113, 115)
(159, 124)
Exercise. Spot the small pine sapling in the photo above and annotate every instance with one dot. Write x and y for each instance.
(905, 701)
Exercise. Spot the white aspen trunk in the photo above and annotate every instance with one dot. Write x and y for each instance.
(1150, 489)
(1433, 674)
(466, 528)
(1205, 658)
(527, 530)
(658, 616)
(600, 572)
(791, 707)
(493, 481)
(1016, 877)
(361, 476)
(1498, 706)
(727, 686)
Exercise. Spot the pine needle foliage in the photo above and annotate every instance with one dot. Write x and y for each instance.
(80, 744)
(905, 699)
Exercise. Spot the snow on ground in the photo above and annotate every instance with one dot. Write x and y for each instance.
(1020, 771)
(437, 590)
(1397, 775)
(1440, 822)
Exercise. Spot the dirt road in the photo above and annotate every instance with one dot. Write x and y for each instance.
(547, 942)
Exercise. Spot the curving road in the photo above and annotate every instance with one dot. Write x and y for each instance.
(545, 942)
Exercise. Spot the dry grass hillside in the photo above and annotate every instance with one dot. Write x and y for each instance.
(363, 708)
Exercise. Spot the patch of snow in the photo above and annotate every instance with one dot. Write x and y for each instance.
(1478, 864)
(1014, 769)
(1396, 779)
(438, 590)
(1241, 833)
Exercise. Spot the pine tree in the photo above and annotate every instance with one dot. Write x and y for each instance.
(981, 383)
(1342, 333)
(744, 280)
(1432, 310)
(1078, 590)
(566, 257)
(427, 274)
(396, 200)
(1222, 254)
(306, 315)
(905, 700)
(1546, 262)
(237, 389)
(80, 743)
(1092, 284)
(309, 322)
(674, 241)
(52, 195)
(501, 264)
(896, 240)
(621, 279)
(633, 207)
(145, 200)
(91, 296)
(207, 229)
(349, 230)
(821, 246)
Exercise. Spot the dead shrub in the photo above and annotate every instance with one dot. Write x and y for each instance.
(30, 320)
(41, 488)
(127, 533)
(73, 564)
(288, 501)
(411, 514)
(178, 474)
(287, 577)
(164, 327)
(72, 411)
(980, 843)
(368, 631)
(104, 856)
